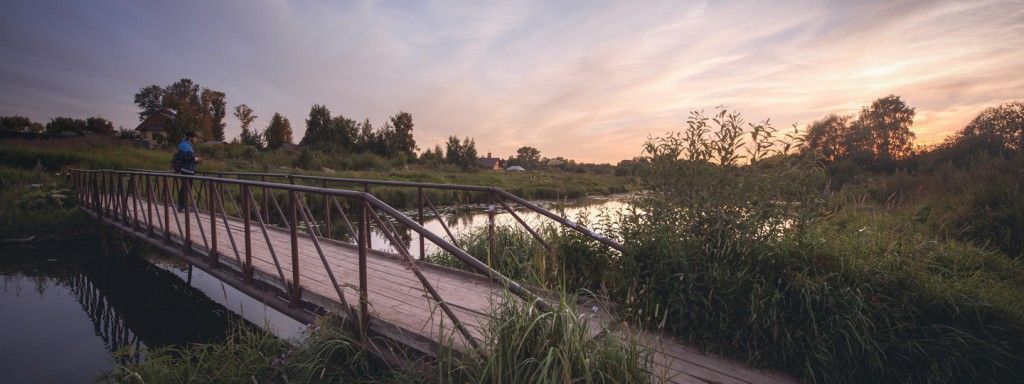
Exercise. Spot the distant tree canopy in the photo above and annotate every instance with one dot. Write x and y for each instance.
(245, 117)
(279, 132)
(462, 154)
(189, 107)
(340, 133)
(879, 135)
(528, 157)
(999, 130)
(20, 124)
(78, 126)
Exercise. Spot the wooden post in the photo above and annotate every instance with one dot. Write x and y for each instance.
(246, 214)
(294, 229)
(419, 202)
(212, 207)
(364, 241)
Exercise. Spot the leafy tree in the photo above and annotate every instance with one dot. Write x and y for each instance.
(345, 131)
(400, 140)
(214, 110)
(279, 132)
(528, 157)
(245, 116)
(150, 100)
(432, 156)
(65, 124)
(19, 124)
(1001, 127)
(99, 125)
(826, 137)
(189, 107)
(318, 127)
(463, 154)
(882, 130)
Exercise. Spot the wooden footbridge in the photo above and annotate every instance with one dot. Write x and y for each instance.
(301, 245)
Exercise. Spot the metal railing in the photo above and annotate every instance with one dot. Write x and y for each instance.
(137, 199)
(495, 196)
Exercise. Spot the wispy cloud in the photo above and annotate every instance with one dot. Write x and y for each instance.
(585, 80)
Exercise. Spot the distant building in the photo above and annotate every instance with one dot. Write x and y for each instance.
(515, 168)
(555, 163)
(153, 130)
(492, 163)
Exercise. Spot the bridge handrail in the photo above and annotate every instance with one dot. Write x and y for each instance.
(460, 187)
(121, 192)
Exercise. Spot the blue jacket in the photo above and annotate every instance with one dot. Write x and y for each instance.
(185, 158)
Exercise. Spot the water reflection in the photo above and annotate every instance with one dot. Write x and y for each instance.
(65, 310)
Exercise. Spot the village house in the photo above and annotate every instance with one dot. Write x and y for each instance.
(153, 130)
(492, 163)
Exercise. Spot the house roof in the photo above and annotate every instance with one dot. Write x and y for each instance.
(489, 162)
(515, 168)
(154, 123)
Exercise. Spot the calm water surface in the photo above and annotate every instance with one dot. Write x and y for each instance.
(65, 310)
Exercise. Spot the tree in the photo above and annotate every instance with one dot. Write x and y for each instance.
(99, 125)
(279, 132)
(528, 157)
(150, 100)
(214, 109)
(1001, 127)
(462, 154)
(882, 130)
(59, 125)
(826, 137)
(189, 107)
(19, 124)
(401, 141)
(245, 116)
(318, 127)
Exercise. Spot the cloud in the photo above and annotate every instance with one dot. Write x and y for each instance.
(585, 80)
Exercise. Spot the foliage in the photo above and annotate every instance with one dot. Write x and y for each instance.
(99, 125)
(245, 116)
(19, 124)
(877, 138)
(279, 132)
(188, 106)
(461, 154)
(1001, 127)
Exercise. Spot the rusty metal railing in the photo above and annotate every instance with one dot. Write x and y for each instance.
(497, 198)
(137, 199)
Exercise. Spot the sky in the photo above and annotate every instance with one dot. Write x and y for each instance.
(588, 80)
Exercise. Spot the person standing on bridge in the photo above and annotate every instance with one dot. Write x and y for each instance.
(184, 162)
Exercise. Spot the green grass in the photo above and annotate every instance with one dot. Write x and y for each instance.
(523, 346)
(34, 203)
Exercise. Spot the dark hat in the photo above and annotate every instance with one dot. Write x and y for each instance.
(191, 134)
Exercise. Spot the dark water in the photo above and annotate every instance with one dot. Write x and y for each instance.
(65, 309)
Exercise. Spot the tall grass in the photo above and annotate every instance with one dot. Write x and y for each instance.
(522, 346)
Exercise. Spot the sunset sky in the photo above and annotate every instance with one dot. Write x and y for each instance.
(586, 80)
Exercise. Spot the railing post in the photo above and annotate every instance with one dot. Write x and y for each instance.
(246, 214)
(419, 203)
(364, 241)
(149, 204)
(167, 209)
(294, 229)
(211, 190)
(186, 183)
(490, 231)
(369, 239)
(327, 211)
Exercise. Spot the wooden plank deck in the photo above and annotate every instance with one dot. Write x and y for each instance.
(396, 296)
